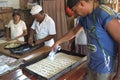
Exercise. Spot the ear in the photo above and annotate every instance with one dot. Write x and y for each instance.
(82, 3)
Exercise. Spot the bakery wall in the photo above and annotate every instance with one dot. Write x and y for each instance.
(10, 3)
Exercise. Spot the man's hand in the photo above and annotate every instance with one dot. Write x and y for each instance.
(54, 47)
(38, 41)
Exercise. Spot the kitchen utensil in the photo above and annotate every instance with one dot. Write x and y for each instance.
(52, 53)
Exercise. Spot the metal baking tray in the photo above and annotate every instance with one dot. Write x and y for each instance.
(24, 48)
(20, 44)
(23, 66)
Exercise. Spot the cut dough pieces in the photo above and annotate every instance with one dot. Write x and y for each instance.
(48, 68)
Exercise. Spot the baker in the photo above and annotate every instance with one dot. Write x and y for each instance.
(43, 27)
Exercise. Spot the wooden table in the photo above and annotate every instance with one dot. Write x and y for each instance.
(42, 51)
(27, 56)
(77, 73)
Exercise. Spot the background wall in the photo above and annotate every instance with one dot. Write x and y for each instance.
(10, 3)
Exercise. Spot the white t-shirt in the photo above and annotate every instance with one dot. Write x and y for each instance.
(81, 37)
(17, 29)
(47, 27)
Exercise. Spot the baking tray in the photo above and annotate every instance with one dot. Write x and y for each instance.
(24, 66)
(20, 44)
(24, 48)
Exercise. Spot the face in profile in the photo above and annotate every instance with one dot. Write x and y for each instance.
(39, 17)
(81, 8)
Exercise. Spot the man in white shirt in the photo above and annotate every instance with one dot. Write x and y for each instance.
(43, 27)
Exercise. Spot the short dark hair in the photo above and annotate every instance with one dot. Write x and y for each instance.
(71, 3)
(16, 12)
(41, 12)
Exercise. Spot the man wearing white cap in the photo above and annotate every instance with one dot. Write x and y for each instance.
(43, 27)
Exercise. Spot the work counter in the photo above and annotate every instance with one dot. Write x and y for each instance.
(10, 61)
(77, 73)
(27, 56)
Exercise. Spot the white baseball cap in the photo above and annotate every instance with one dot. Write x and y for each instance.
(36, 9)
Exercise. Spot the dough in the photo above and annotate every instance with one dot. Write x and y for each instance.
(48, 68)
(12, 45)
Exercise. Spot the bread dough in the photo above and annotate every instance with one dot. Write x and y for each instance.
(12, 45)
(48, 68)
(2, 41)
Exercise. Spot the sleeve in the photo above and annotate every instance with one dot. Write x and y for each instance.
(51, 27)
(24, 25)
(9, 24)
(82, 21)
(106, 16)
(33, 25)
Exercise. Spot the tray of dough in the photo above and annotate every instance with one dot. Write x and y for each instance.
(45, 69)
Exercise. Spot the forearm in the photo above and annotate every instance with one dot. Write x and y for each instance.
(31, 33)
(65, 38)
(70, 35)
(72, 40)
(7, 35)
(30, 40)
